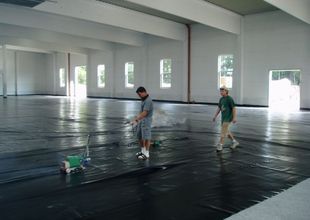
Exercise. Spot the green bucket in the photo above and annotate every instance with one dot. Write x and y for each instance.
(74, 161)
(156, 143)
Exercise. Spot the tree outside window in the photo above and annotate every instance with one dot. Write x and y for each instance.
(165, 73)
(292, 75)
(81, 74)
(101, 76)
(225, 70)
(129, 75)
(80, 81)
(62, 77)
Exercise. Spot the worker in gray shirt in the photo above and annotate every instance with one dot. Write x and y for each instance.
(144, 123)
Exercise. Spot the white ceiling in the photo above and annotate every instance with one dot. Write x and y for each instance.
(242, 7)
(125, 21)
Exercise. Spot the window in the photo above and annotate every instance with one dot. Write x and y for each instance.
(225, 70)
(62, 77)
(80, 74)
(165, 73)
(80, 82)
(101, 76)
(284, 90)
(292, 75)
(129, 75)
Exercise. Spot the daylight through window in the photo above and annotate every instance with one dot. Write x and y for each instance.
(225, 70)
(101, 76)
(62, 77)
(165, 73)
(129, 75)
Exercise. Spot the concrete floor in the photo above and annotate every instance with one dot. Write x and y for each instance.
(184, 179)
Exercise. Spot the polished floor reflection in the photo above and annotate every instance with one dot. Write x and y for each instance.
(184, 179)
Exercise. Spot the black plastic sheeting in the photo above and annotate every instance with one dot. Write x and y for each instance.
(184, 178)
(26, 3)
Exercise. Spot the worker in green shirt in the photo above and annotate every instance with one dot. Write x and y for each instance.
(227, 108)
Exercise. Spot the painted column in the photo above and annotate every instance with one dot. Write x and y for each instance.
(16, 73)
(4, 71)
(54, 57)
(241, 63)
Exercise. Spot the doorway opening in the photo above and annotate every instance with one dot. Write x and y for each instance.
(284, 90)
(80, 81)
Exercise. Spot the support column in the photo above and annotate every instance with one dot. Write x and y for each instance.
(69, 84)
(113, 76)
(186, 84)
(88, 75)
(241, 64)
(4, 71)
(189, 74)
(16, 72)
(55, 71)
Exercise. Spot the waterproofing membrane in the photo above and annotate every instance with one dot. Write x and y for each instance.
(26, 3)
(183, 179)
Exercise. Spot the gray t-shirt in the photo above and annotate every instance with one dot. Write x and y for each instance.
(147, 105)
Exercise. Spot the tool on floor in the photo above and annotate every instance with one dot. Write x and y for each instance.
(156, 143)
(76, 163)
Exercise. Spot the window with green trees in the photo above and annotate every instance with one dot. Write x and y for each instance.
(81, 74)
(62, 77)
(292, 75)
(225, 70)
(129, 75)
(101, 76)
(165, 73)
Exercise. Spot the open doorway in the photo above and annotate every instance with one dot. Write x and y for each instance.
(80, 81)
(284, 90)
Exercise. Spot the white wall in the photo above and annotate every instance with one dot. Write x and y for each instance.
(26, 73)
(158, 49)
(207, 44)
(147, 68)
(125, 54)
(96, 58)
(273, 41)
(269, 41)
(31, 73)
(40, 72)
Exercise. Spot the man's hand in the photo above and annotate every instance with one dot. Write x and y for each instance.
(134, 122)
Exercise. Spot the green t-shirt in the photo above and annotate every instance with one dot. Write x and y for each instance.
(226, 105)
